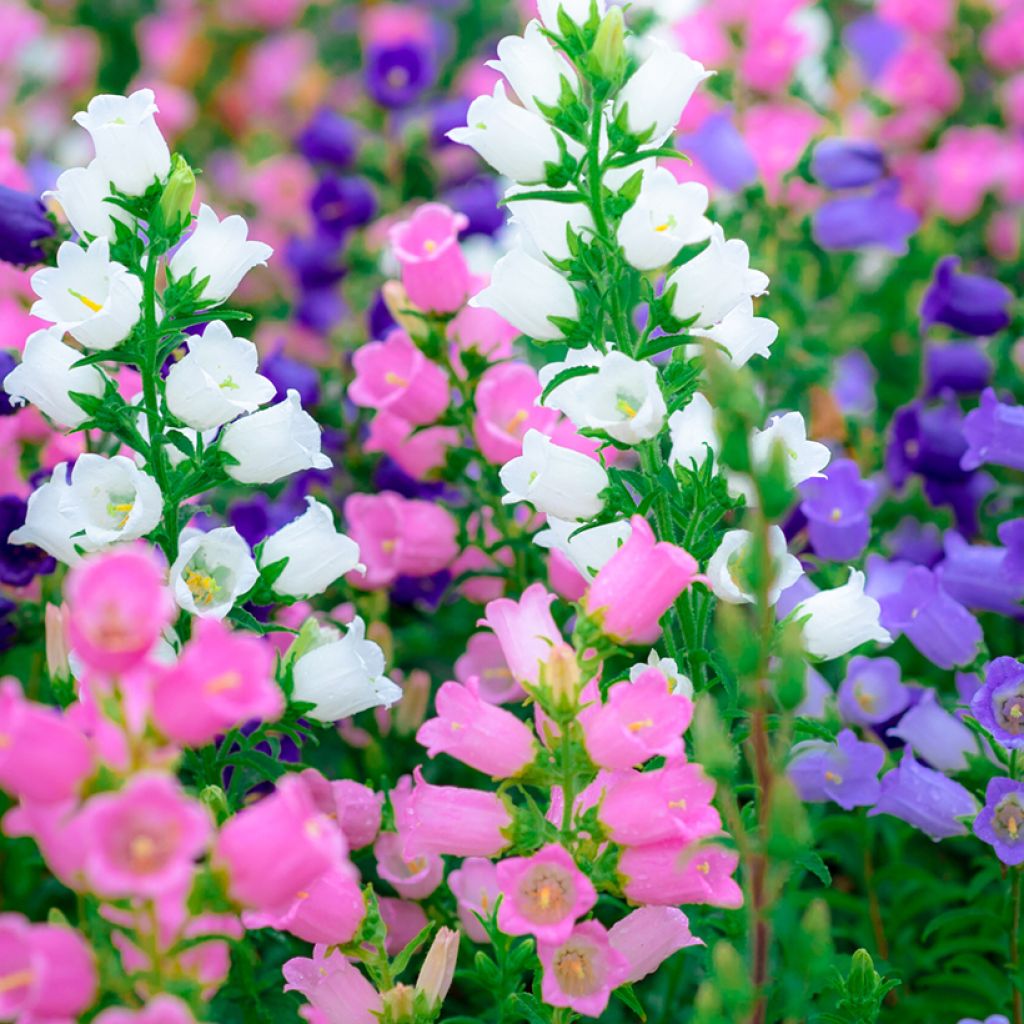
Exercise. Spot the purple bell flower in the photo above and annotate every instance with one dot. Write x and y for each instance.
(329, 138)
(875, 219)
(994, 433)
(446, 114)
(995, 1018)
(341, 203)
(935, 735)
(7, 363)
(872, 691)
(1000, 823)
(964, 497)
(845, 772)
(853, 384)
(874, 42)
(23, 225)
(941, 628)
(927, 440)
(320, 308)
(398, 74)
(379, 320)
(986, 577)
(836, 508)
(926, 799)
(423, 591)
(287, 374)
(969, 303)
(817, 694)
(999, 703)
(914, 541)
(315, 260)
(722, 150)
(847, 163)
(962, 367)
(19, 563)
(478, 200)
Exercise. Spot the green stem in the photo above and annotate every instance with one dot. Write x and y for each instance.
(1015, 902)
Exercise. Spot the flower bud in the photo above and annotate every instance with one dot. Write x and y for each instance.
(397, 301)
(608, 57)
(57, 644)
(435, 977)
(178, 193)
(412, 709)
(399, 1005)
(560, 679)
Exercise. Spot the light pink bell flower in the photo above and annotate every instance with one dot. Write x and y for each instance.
(412, 878)
(475, 886)
(434, 271)
(485, 659)
(581, 971)
(356, 808)
(334, 986)
(649, 936)
(403, 919)
(163, 1009)
(506, 407)
(421, 454)
(526, 631)
(672, 872)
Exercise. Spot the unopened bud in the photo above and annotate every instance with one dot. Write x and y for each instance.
(216, 799)
(397, 301)
(711, 743)
(180, 190)
(57, 645)
(412, 708)
(380, 634)
(608, 57)
(438, 968)
(399, 1004)
(560, 678)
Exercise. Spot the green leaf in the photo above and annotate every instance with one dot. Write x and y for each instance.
(565, 195)
(401, 961)
(563, 375)
(625, 994)
(645, 154)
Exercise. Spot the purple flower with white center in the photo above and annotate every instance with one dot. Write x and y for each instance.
(872, 691)
(847, 163)
(986, 577)
(960, 366)
(875, 219)
(994, 433)
(339, 203)
(999, 703)
(928, 441)
(941, 628)
(722, 151)
(1000, 823)
(914, 541)
(19, 563)
(329, 138)
(853, 384)
(926, 799)
(836, 507)
(23, 225)
(970, 303)
(398, 73)
(874, 42)
(845, 772)
(935, 735)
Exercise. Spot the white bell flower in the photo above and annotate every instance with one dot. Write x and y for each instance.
(112, 500)
(841, 619)
(742, 334)
(47, 375)
(217, 381)
(544, 223)
(82, 194)
(577, 11)
(49, 524)
(212, 571)
(715, 281)
(679, 684)
(342, 675)
(692, 430)
(88, 295)
(220, 251)
(666, 215)
(725, 563)
(515, 141)
(534, 68)
(569, 397)
(273, 443)
(129, 146)
(317, 553)
(557, 481)
(653, 98)
(589, 549)
(803, 458)
(526, 292)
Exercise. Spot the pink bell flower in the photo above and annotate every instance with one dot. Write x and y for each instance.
(335, 988)
(485, 660)
(163, 1009)
(403, 919)
(355, 807)
(526, 631)
(649, 936)
(480, 330)
(421, 455)
(412, 878)
(672, 872)
(56, 830)
(581, 971)
(434, 271)
(506, 407)
(475, 886)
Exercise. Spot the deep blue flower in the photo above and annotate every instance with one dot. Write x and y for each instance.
(398, 74)
(970, 303)
(329, 138)
(321, 308)
(19, 563)
(478, 200)
(379, 321)
(847, 163)
(423, 591)
(316, 260)
(445, 115)
(963, 367)
(864, 221)
(926, 440)
(341, 203)
(23, 225)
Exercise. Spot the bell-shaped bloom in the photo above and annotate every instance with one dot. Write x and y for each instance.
(803, 458)
(119, 606)
(577, 11)
(217, 380)
(453, 820)
(557, 481)
(872, 691)
(506, 409)
(341, 675)
(218, 252)
(845, 772)
(112, 500)
(276, 848)
(412, 879)
(477, 733)
(648, 936)
(221, 680)
(995, 433)
(82, 193)
(969, 303)
(537, 72)
(528, 293)
(317, 552)
(23, 225)
(329, 138)
(715, 281)
(355, 807)
(935, 734)
(666, 215)
(50, 523)
(652, 100)
(129, 147)
(581, 971)
(589, 549)
(638, 584)
(525, 630)
(44, 758)
(46, 376)
(516, 142)
(337, 990)
(673, 802)
(340, 203)
(926, 799)
(692, 429)
(484, 660)
(89, 296)
(1000, 823)
(741, 335)
(273, 443)
(725, 568)
(163, 1009)
(421, 455)
(847, 163)
(434, 270)
(545, 225)
(48, 971)
(841, 619)
(394, 375)
(640, 720)
(999, 703)
(543, 895)
(961, 366)
(212, 571)
(399, 537)
(475, 887)
(671, 872)
(837, 510)
(873, 220)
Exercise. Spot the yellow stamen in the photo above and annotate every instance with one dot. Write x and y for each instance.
(141, 851)
(387, 546)
(302, 895)
(228, 384)
(5, 741)
(395, 380)
(833, 777)
(1012, 827)
(643, 723)
(124, 509)
(9, 982)
(201, 586)
(625, 408)
(677, 805)
(225, 681)
(516, 421)
(1016, 711)
(456, 726)
(85, 300)
(836, 515)
(704, 868)
(430, 245)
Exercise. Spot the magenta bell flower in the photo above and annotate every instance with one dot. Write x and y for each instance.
(337, 990)
(526, 631)
(475, 887)
(434, 271)
(581, 971)
(671, 872)
(1001, 821)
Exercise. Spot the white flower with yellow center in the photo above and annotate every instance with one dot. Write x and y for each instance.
(801, 457)
(111, 500)
(725, 568)
(212, 571)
